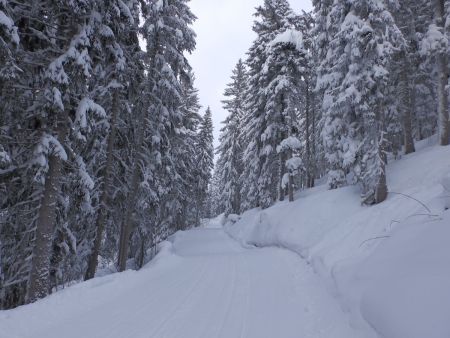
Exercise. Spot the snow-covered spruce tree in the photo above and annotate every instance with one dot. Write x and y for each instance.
(354, 76)
(306, 106)
(276, 62)
(205, 160)
(435, 46)
(416, 91)
(289, 62)
(9, 41)
(118, 72)
(41, 119)
(215, 205)
(168, 36)
(424, 85)
(405, 61)
(65, 119)
(307, 110)
(186, 167)
(253, 120)
(229, 152)
(81, 130)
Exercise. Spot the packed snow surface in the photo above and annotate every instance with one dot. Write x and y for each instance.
(203, 285)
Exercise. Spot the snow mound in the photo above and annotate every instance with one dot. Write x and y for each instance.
(387, 264)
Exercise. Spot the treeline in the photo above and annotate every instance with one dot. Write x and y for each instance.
(334, 93)
(103, 151)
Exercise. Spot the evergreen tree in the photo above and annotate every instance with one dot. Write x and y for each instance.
(120, 40)
(276, 62)
(354, 76)
(230, 149)
(168, 36)
(205, 159)
(89, 121)
(435, 46)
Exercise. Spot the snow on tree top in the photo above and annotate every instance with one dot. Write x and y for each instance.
(291, 36)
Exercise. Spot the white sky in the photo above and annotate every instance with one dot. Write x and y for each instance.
(224, 35)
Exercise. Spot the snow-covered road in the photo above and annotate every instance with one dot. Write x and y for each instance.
(209, 287)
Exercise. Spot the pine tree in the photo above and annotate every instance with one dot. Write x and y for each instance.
(185, 152)
(118, 74)
(168, 36)
(276, 62)
(205, 159)
(51, 98)
(230, 149)
(355, 90)
(406, 59)
(89, 121)
(441, 15)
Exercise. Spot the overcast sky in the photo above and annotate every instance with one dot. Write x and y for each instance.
(224, 35)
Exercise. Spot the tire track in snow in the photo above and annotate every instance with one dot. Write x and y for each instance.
(231, 298)
(146, 303)
(247, 297)
(112, 325)
(180, 304)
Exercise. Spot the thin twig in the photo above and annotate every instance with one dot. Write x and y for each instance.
(415, 199)
(371, 239)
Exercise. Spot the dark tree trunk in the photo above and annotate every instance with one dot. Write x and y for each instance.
(291, 188)
(38, 283)
(407, 107)
(309, 161)
(126, 227)
(104, 205)
(281, 192)
(442, 79)
(40, 264)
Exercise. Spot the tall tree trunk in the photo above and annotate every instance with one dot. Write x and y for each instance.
(45, 227)
(407, 107)
(236, 198)
(282, 191)
(125, 231)
(381, 192)
(291, 188)
(308, 139)
(40, 264)
(104, 205)
(314, 157)
(442, 79)
(141, 257)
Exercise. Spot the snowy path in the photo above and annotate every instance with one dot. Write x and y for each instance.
(209, 288)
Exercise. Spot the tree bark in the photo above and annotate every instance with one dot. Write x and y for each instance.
(442, 79)
(282, 190)
(309, 174)
(381, 189)
(313, 123)
(407, 107)
(381, 192)
(40, 264)
(291, 188)
(134, 187)
(104, 205)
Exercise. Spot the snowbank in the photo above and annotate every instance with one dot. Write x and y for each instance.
(387, 264)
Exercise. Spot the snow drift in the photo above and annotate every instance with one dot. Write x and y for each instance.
(387, 264)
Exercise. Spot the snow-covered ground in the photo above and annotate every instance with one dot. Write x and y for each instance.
(348, 271)
(388, 265)
(204, 285)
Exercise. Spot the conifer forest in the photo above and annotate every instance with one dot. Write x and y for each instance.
(336, 135)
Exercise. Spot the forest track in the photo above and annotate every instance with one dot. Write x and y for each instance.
(207, 287)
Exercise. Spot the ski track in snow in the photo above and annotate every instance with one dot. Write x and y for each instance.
(210, 287)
